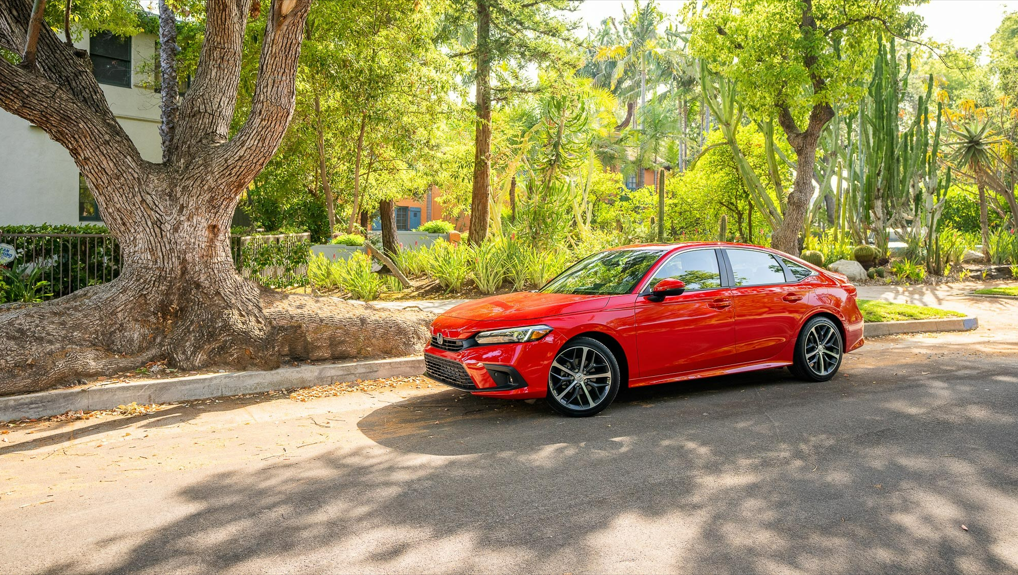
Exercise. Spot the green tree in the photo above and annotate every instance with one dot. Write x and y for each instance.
(795, 61)
(502, 37)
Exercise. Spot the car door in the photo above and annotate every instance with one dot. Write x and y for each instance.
(690, 331)
(768, 306)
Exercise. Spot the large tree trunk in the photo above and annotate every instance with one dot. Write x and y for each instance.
(482, 131)
(804, 143)
(178, 296)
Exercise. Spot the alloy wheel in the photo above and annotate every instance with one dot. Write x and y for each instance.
(580, 378)
(823, 349)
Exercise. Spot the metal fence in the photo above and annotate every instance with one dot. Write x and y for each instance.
(69, 262)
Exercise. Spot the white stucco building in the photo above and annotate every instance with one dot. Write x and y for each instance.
(39, 182)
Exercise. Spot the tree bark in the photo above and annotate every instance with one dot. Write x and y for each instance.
(482, 130)
(786, 237)
(355, 209)
(387, 213)
(984, 219)
(323, 172)
(178, 296)
(168, 90)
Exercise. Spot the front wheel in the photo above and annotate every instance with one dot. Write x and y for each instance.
(818, 351)
(584, 378)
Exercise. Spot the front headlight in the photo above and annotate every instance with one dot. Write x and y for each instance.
(513, 335)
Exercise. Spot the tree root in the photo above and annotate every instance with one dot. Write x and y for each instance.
(108, 329)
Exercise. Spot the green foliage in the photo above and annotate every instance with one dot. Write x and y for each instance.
(352, 275)
(436, 227)
(488, 269)
(952, 246)
(276, 263)
(23, 285)
(450, 265)
(909, 270)
(1003, 247)
(348, 240)
(961, 210)
(814, 257)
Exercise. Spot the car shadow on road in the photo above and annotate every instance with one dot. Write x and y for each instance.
(744, 474)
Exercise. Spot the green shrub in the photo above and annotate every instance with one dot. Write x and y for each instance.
(516, 257)
(488, 266)
(814, 257)
(23, 285)
(449, 264)
(906, 269)
(545, 266)
(436, 227)
(358, 279)
(832, 246)
(276, 263)
(1003, 247)
(413, 263)
(324, 275)
(348, 240)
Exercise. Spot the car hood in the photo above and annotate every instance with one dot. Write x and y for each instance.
(526, 306)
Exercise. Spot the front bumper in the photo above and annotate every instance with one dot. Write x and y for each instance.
(517, 370)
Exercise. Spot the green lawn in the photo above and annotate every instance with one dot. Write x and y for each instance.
(1012, 291)
(874, 311)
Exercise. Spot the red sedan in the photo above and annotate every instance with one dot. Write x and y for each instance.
(648, 314)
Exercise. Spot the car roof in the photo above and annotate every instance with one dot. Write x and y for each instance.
(681, 245)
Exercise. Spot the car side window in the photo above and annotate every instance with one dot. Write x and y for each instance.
(698, 269)
(754, 268)
(799, 272)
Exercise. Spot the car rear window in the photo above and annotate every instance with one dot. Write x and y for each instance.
(754, 268)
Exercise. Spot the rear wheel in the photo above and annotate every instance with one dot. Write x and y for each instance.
(584, 378)
(818, 351)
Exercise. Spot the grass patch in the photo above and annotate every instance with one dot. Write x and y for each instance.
(1011, 291)
(876, 311)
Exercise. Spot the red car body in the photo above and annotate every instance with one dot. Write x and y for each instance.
(698, 334)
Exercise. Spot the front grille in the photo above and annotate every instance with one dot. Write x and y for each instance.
(448, 372)
(448, 344)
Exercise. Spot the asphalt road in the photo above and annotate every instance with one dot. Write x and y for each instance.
(876, 471)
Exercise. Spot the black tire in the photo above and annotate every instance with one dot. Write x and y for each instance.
(819, 350)
(578, 367)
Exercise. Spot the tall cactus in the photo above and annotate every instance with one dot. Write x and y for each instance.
(723, 228)
(894, 178)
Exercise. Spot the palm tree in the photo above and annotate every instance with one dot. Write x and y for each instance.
(974, 152)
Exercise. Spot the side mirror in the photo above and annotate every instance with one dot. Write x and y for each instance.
(665, 288)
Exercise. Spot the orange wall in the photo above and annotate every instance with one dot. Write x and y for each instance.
(462, 223)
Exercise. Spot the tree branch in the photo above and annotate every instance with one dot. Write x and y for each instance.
(273, 102)
(98, 149)
(210, 101)
(34, 27)
(168, 78)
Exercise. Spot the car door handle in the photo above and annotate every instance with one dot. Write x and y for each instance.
(720, 303)
(792, 297)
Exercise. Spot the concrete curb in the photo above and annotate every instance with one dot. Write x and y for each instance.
(882, 328)
(992, 296)
(46, 403)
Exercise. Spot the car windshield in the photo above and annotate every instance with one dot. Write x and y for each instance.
(614, 272)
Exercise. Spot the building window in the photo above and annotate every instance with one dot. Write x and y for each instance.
(111, 59)
(88, 209)
(631, 182)
(402, 218)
